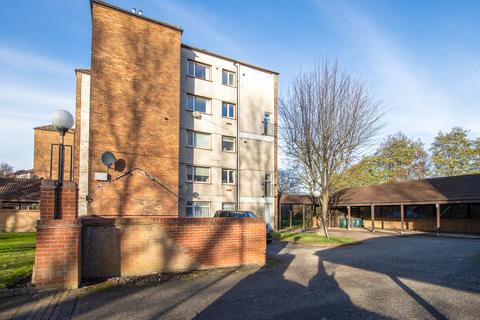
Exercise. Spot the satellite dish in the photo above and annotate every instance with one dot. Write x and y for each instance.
(108, 159)
(196, 115)
(195, 195)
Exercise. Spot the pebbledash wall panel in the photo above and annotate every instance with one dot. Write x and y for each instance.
(136, 246)
(134, 113)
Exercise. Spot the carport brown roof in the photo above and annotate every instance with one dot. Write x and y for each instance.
(20, 189)
(296, 199)
(455, 189)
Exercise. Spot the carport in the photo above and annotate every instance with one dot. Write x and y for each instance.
(446, 204)
(295, 205)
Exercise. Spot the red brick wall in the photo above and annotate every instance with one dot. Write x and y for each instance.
(135, 246)
(134, 110)
(68, 204)
(57, 253)
(43, 140)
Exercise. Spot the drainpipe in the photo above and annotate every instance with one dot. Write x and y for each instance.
(238, 134)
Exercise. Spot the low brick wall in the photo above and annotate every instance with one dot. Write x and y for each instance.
(143, 245)
(18, 220)
(57, 254)
(446, 225)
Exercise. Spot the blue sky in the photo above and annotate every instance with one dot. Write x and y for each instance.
(421, 58)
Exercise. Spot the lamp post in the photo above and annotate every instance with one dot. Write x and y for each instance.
(62, 121)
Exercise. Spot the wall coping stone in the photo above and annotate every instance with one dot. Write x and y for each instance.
(142, 220)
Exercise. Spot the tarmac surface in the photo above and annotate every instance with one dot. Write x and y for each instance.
(386, 276)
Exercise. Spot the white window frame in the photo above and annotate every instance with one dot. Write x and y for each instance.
(194, 139)
(194, 64)
(232, 205)
(233, 176)
(228, 72)
(234, 144)
(192, 174)
(229, 105)
(197, 204)
(208, 101)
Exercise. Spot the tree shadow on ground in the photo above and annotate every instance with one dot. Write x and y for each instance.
(267, 294)
(270, 292)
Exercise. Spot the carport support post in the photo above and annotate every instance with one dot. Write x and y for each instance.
(349, 215)
(437, 206)
(303, 216)
(402, 218)
(372, 214)
(290, 213)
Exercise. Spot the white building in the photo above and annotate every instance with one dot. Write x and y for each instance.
(228, 143)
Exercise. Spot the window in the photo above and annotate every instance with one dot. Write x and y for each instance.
(198, 174)
(228, 176)
(267, 126)
(228, 144)
(228, 78)
(198, 209)
(198, 70)
(228, 205)
(200, 104)
(228, 110)
(267, 185)
(198, 139)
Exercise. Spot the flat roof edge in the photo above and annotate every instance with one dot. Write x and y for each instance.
(228, 58)
(106, 4)
(83, 70)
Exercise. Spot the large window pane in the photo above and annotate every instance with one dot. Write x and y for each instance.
(228, 78)
(189, 173)
(228, 110)
(228, 176)
(201, 174)
(201, 104)
(228, 144)
(268, 185)
(190, 102)
(228, 205)
(198, 209)
(224, 77)
(202, 71)
(198, 70)
(202, 140)
(191, 68)
(190, 139)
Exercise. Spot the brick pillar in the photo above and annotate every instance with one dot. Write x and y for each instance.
(57, 254)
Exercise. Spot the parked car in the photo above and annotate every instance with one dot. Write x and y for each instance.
(243, 214)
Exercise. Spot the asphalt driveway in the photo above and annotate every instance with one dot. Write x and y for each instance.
(399, 277)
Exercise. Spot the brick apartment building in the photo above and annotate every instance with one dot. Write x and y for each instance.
(45, 154)
(192, 131)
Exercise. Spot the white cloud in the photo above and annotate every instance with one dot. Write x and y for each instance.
(419, 103)
(31, 87)
(21, 60)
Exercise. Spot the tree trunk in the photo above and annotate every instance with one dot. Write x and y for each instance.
(324, 215)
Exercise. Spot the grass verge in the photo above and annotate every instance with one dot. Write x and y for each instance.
(311, 238)
(17, 254)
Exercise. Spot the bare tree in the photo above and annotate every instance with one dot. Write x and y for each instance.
(289, 181)
(5, 170)
(327, 117)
